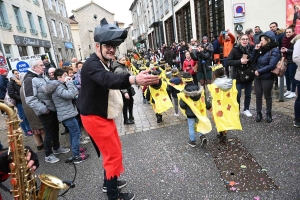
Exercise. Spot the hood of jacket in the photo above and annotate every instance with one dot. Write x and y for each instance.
(279, 31)
(294, 40)
(50, 87)
(224, 83)
(193, 91)
(117, 64)
(175, 80)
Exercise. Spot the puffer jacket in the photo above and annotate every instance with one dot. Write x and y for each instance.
(194, 92)
(36, 99)
(13, 90)
(266, 63)
(3, 86)
(63, 95)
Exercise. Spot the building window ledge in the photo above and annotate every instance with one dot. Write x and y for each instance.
(21, 28)
(5, 25)
(167, 11)
(175, 2)
(36, 2)
(162, 16)
(34, 32)
(44, 34)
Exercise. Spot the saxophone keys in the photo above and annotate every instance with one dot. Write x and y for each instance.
(13, 181)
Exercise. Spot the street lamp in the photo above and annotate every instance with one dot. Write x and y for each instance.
(79, 52)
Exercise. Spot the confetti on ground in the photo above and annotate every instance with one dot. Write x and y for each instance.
(238, 168)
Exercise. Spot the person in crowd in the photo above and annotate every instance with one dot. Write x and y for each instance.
(5, 161)
(225, 109)
(13, 90)
(287, 49)
(257, 33)
(97, 79)
(279, 34)
(3, 84)
(189, 65)
(192, 104)
(296, 59)
(249, 32)
(207, 45)
(265, 58)
(120, 68)
(35, 123)
(204, 63)
(63, 93)
(239, 59)
(217, 50)
(51, 73)
(169, 56)
(176, 85)
(226, 39)
(183, 49)
(42, 104)
(47, 64)
(77, 76)
(193, 43)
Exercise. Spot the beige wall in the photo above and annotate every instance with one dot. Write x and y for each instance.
(6, 36)
(76, 40)
(87, 24)
(260, 13)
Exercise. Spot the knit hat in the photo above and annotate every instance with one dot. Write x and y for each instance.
(187, 77)
(205, 38)
(120, 56)
(269, 34)
(43, 57)
(2, 71)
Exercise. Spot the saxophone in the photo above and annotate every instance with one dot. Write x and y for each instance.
(23, 180)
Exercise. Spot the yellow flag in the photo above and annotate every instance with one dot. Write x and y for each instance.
(199, 109)
(161, 98)
(225, 108)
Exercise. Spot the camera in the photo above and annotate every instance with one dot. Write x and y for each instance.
(224, 32)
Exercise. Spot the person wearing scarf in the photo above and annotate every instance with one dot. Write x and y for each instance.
(237, 59)
(13, 89)
(265, 57)
(287, 49)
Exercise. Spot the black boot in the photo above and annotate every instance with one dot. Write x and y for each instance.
(258, 116)
(269, 117)
(128, 121)
(131, 117)
(159, 118)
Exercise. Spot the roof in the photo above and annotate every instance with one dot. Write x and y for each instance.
(132, 5)
(91, 3)
(72, 21)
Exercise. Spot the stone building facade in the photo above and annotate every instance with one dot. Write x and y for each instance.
(59, 28)
(88, 17)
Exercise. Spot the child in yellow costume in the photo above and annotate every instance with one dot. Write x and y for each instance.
(175, 85)
(192, 104)
(157, 95)
(225, 108)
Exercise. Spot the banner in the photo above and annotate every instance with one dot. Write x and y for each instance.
(22, 64)
(293, 14)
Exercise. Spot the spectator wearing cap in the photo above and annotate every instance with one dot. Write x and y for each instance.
(3, 84)
(47, 64)
(226, 39)
(265, 58)
(207, 45)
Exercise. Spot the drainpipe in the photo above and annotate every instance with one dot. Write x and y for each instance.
(174, 24)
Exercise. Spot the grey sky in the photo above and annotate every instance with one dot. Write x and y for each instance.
(119, 7)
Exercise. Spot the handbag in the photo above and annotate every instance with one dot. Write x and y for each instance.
(115, 104)
(132, 91)
(280, 67)
(9, 101)
(246, 75)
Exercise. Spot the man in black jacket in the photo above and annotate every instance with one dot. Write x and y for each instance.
(95, 103)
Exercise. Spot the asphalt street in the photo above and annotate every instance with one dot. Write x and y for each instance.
(159, 165)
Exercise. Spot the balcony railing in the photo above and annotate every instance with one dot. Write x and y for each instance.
(5, 25)
(21, 28)
(44, 34)
(34, 32)
(36, 2)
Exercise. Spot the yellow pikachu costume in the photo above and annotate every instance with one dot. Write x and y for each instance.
(161, 98)
(225, 108)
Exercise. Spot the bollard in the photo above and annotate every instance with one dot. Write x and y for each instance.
(281, 89)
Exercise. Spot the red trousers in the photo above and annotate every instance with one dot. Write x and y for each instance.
(105, 135)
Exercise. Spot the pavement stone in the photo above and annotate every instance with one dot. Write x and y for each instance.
(160, 165)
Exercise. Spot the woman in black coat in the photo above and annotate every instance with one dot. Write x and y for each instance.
(13, 89)
(239, 60)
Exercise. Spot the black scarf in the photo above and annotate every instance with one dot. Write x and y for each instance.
(246, 49)
(267, 47)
